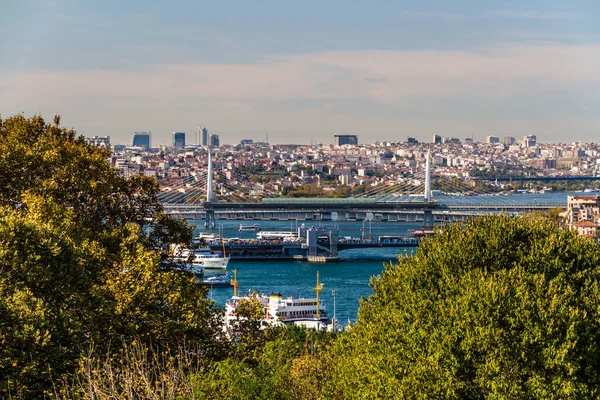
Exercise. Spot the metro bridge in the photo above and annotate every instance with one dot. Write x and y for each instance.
(383, 204)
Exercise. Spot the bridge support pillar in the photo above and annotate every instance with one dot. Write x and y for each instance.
(428, 218)
(209, 216)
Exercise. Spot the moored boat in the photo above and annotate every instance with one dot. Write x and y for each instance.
(249, 228)
(221, 280)
(277, 310)
(206, 258)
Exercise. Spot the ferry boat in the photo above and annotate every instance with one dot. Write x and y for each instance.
(208, 237)
(276, 235)
(249, 228)
(202, 258)
(221, 280)
(278, 311)
(206, 258)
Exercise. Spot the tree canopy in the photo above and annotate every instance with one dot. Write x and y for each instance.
(498, 308)
(80, 252)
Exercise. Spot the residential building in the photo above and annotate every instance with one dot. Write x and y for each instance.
(99, 141)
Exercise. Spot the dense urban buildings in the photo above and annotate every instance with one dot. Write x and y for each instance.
(102, 141)
(178, 139)
(141, 139)
(340, 140)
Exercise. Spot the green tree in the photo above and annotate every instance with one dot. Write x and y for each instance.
(497, 308)
(80, 261)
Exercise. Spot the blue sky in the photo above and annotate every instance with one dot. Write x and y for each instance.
(303, 71)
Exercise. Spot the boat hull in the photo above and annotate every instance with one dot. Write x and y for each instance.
(200, 264)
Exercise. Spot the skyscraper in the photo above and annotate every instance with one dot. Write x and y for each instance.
(508, 140)
(437, 139)
(529, 141)
(178, 139)
(141, 139)
(214, 140)
(341, 140)
(202, 136)
(492, 139)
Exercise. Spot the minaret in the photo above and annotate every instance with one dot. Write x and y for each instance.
(428, 178)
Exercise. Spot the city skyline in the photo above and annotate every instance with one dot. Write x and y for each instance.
(304, 72)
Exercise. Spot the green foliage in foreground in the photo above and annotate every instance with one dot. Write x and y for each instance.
(495, 308)
(498, 308)
(77, 269)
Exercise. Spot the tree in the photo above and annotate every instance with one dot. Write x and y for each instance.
(80, 266)
(498, 308)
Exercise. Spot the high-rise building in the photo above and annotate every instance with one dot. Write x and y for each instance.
(202, 136)
(508, 140)
(529, 141)
(214, 140)
(246, 142)
(492, 139)
(141, 139)
(341, 140)
(411, 140)
(469, 141)
(437, 139)
(178, 139)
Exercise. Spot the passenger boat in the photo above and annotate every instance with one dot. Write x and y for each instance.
(249, 228)
(202, 258)
(206, 258)
(277, 235)
(278, 311)
(221, 280)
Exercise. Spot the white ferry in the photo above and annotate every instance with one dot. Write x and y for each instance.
(202, 258)
(276, 235)
(250, 228)
(277, 311)
(206, 258)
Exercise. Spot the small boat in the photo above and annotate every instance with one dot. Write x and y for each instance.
(221, 280)
(249, 228)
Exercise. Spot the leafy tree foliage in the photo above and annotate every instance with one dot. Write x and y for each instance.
(499, 308)
(80, 252)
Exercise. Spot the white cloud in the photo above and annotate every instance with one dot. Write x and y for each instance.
(320, 82)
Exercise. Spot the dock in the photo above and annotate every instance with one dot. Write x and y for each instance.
(315, 244)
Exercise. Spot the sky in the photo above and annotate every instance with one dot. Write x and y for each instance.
(302, 71)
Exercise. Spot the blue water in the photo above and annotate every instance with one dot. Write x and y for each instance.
(349, 277)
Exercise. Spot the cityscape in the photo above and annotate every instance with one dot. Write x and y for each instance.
(261, 169)
(299, 200)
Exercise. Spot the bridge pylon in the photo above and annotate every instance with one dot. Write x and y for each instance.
(209, 218)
